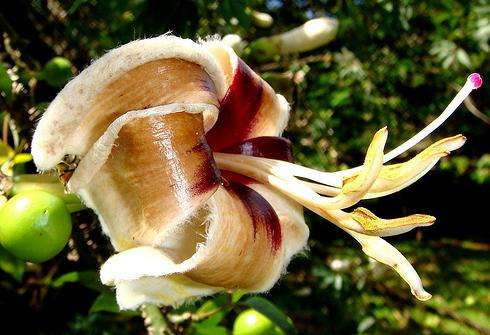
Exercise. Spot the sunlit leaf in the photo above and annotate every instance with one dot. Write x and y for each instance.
(235, 9)
(6, 152)
(89, 279)
(219, 307)
(22, 158)
(211, 330)
(267, 308)
(463, 58)
(11, 265)
(105, 302)
(5, 83)
(365, 324)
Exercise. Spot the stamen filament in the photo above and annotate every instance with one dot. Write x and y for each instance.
(290, 187)
(329, 208)
(473, 82)
(268, 171)
(282, 168)
(469, 86)
(322, 189)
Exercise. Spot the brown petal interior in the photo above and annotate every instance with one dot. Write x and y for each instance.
(249, 109)
(159, 171)
(245, 248)
(152, 84)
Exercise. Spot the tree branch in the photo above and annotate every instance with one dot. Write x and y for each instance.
(155, 322)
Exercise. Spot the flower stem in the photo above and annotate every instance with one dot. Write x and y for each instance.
(155, 322)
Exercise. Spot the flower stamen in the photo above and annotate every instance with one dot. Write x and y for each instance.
(380, 250)
(285, 181)
(473, 82)
(388, 227)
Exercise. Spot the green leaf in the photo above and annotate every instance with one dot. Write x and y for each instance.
(75, 6)
(339, 98)
(237, 295)
(267, 308)
(89, 279)
(22, 158)
(57, 72)
(235, 9)
(11, 264)
(365, 324)
(212, 330)
(214, 305)
(463, 58)
(5, 83)
(105, 302)
(6, 152)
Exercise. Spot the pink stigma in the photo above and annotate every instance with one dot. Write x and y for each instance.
(476, 79)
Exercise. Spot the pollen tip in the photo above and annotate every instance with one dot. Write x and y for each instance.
(423, 296)
(383, 131)
(476, 79)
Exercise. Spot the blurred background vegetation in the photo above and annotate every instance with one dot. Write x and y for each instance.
(392, 63)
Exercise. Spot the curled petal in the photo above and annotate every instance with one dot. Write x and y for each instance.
(128, 186)
(146, 275)
(171, 290)
(235, 241)
(250, 107)
(387, 227)
(289, 212)
(138, 75)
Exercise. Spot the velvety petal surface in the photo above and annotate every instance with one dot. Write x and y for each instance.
(250, 107)
(242, 238)
(148, 173)
(272, 147)
(135, 76)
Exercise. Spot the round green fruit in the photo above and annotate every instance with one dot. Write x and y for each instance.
(34, 226)
(57, 72)
(251, 322)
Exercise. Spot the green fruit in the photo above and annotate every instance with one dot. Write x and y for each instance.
(57, 72)
(34, 226)
(251, 322)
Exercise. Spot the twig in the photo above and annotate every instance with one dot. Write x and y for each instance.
(438, 310)
(305, 60)
(471, 106)
(155, 321)
(199, 316)
(5, 129)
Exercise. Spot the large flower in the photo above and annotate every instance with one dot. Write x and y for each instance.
(176, 147)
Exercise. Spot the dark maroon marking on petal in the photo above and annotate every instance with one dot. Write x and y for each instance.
(239, 178)
(261, 212)
(200, 147)
(207, 178)
(208, 175)
(238, 109)
(265, 146)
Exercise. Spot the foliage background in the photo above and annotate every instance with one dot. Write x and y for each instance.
(392, 63)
